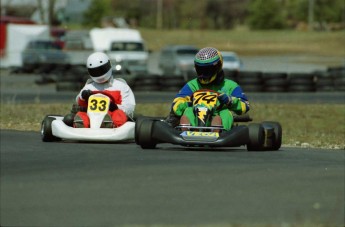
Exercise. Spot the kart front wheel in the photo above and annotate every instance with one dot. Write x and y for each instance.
(138, 123)
(256, 137)
(46, 130)
(144, 135)
(277, 137)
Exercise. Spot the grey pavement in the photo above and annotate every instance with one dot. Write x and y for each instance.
(95, 184)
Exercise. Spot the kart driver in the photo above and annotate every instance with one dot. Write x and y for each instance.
(208, 63)
(101, 79)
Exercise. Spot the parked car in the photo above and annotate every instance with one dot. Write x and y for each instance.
(43, 55)
(177, 60)
(125, 47)
(231, 61)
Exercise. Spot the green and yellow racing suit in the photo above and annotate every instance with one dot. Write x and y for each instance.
(239, 105)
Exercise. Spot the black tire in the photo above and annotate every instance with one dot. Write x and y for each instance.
(256, 137)
(324, 82)
(252, 87)
(174, 81)
(144, 136)
(147, 80)
(301, 88)
(151, 87)
(274, 75)
(275, 89)
(275, 82)
(138, 123)
(249, 78)
(68, 86)
(339, 83)
(46, 130)
(301, 82)
(278, 134)
(231, 74)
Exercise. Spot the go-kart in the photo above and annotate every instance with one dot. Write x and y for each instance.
(262, 136)
(53, 128)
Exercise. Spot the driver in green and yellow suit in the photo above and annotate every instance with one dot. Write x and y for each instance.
(208, 64)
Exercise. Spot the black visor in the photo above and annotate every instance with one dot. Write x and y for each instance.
(100, 70)
(207, 71)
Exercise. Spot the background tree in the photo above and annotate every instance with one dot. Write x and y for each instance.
(97, 10)
(217, 14)
(265, 14)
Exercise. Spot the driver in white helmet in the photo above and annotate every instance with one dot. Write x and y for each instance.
(101, 79)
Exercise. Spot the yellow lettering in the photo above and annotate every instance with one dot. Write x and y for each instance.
(211, 134)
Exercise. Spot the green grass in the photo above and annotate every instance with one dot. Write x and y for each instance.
(254, 43)
(307, 125)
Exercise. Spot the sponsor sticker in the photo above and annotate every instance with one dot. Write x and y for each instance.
(200, 134)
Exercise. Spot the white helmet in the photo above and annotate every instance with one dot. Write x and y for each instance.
(99, 67)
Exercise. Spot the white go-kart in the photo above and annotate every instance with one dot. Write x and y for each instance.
(54, 129)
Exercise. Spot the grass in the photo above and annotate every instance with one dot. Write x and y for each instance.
(303, 125)
(253, 43)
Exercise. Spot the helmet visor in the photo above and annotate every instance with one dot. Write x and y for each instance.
(206, 73)
(100, 70)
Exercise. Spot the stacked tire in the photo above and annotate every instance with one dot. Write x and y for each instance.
(171, 83)
(231, 74)
(301, 82)
(338, 75)
(147, 83)
(324, 82)
(275, 82)
(72, 79)
(250, 81)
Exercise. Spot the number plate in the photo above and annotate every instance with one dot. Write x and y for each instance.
(98, 104)
(205, 98)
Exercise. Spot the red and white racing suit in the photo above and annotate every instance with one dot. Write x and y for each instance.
(119, 91)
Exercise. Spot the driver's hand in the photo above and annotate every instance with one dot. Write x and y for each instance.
(113, 106)
(225, 99)
(86, 94)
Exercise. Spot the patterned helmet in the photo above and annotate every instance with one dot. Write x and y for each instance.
(208, 63)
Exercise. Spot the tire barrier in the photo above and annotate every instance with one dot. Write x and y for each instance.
(249, 81)
(338, 76)
(330, 80)
(158, 83)
(146, 83)
(301, 82)
(275, 82)
(230, 74)
(333, 79)
(324, 82)
(72, 79)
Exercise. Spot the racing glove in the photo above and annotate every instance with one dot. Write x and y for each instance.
(86, 94)
(225, 99)
(112, 106)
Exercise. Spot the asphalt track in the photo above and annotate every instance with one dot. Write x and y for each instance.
(95, 184)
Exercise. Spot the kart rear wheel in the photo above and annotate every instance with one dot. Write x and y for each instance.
(46, 130)
(144, 135)
(256, 137)
(278, 132)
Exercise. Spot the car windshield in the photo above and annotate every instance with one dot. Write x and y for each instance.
(127, 46)
(187, 52)
(229, 58)
(44, 45)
